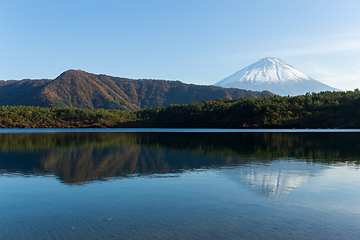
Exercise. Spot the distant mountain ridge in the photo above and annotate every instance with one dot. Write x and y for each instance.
(276, 76)
(76, 88)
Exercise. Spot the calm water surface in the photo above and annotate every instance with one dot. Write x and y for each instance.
(180, 185)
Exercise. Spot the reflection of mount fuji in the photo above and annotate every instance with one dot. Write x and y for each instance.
(273, 179)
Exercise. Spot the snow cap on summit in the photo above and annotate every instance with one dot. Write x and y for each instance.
(265, 70)
(273, 75)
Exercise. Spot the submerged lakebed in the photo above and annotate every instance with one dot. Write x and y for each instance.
(179, 184)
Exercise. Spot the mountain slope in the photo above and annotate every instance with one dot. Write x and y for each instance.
(83, 90)
(276, 76)
(80, 89)
(24, 92)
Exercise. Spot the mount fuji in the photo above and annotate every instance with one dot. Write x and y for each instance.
(276, 76)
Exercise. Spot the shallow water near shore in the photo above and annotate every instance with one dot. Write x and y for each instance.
(180, 185)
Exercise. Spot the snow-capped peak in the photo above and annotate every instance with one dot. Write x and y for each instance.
(266, 70)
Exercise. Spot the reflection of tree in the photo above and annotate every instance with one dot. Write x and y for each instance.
(324, 147)
(31, 142)
(81, 157)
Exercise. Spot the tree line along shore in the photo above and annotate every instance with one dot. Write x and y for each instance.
(312, 110)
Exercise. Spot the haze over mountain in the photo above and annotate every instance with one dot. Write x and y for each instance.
(276, 76)
(75, 88)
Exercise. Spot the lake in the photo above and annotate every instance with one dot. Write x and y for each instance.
(179, 184)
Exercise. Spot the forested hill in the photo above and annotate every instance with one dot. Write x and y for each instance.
(316, 110)
(79, 89)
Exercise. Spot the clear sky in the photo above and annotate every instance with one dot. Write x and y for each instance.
(197, 41)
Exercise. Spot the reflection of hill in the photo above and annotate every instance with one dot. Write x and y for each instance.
(273, 179)
(84, 164)
(82, 157)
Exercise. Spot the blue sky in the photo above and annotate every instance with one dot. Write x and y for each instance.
(198, 42)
